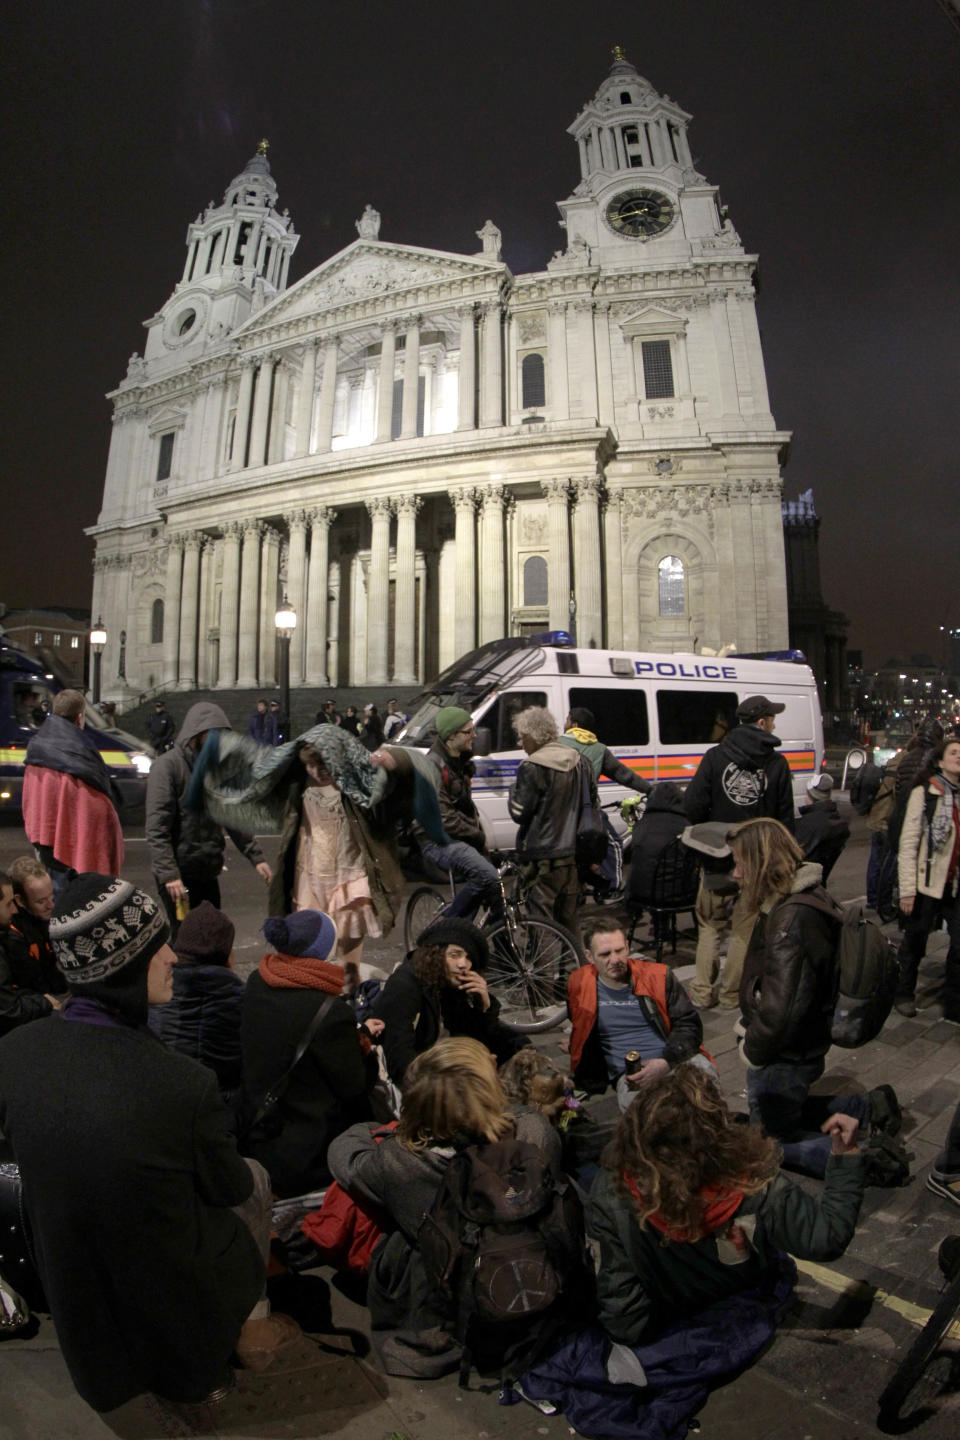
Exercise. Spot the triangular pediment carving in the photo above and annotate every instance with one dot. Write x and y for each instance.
(653, 320)
(166, 418)
(368, 269)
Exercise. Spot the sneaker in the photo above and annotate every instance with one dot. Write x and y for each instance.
(906, 1006)
(885, 1115)
(699, 1004)
(946, 1186)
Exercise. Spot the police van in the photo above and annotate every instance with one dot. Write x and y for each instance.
(26, 694)
(658, 713)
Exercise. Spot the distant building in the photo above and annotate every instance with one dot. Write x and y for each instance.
(821, 633)
(58, 634)
(425, 452)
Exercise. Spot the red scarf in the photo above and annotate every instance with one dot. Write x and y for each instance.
(720, 1205)
(301, 972)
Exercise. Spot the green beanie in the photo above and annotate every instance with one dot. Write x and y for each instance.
(449, 719)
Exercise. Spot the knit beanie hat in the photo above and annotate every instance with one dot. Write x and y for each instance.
(819, 787)
(206, 936)
(104, 934)
(450, 719)
(458, 932)
(306, 932)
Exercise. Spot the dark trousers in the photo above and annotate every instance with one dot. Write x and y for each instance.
(197, 890)
(949, 1161)
(553, 894)
(780, 1101)
(927, 914)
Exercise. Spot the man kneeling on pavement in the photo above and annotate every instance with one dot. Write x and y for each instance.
(632, 1019)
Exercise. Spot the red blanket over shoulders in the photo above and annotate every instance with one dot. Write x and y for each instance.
(78, 823)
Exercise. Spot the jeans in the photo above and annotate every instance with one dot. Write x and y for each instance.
(878, 848)
(479, 882)
(780, 1102)
(925, 917)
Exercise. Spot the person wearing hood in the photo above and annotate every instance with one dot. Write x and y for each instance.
(186, 846)
(545, 801)
(787, 996)
(929, 869)
(69, 802)
(149, 1230)
(821, 830)
(739, 779)
(663, 819)
(202, 1019)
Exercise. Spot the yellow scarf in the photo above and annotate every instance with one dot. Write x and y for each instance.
(586, 737)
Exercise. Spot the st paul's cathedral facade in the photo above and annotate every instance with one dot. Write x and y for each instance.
(422, 451)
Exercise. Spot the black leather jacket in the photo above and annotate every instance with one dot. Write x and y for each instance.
(545, 802)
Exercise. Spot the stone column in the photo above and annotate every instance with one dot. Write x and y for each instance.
(468, 368)
(229, 606)
(333, 624)
(405, 612)
(308, 377)
(583, 310)
(171, 610)
(328, 394)
(378, 590)
(558, 392)
(491, 386)
(297, 588)
(318, 580)
(465, 605)
(411, 379)
(208, 556)
(261, 413)
(189, 612)
(277, 429)
(558, 578)
(492, 588)
(388, 347)
(269, 565)
(586, 568)
(249, 595)
(241, 424)
(613, 551)
(601, 324)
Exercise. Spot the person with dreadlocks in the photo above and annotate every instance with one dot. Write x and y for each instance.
(691, 1208)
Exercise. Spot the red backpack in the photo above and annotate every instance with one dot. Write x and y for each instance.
(345, 1230)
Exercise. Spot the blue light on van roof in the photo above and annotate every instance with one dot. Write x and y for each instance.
(551, 637)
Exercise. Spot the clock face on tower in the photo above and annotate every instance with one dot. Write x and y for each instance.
(638, 214)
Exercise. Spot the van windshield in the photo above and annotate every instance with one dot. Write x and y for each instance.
(467, 683)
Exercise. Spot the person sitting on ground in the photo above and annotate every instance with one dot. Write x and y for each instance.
(535, 1087)
(787, 995)
(821, 831)
(663, 819)
(328, 1089)
(440, 986)
(151, 1234)
(620, 1007)
(203, 1018)
(691, 1209)
(31, 986)
(452, 1097)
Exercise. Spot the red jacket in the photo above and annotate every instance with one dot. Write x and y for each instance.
(78, 822)
(668, 1009)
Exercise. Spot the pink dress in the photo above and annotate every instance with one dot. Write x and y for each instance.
(329, 873)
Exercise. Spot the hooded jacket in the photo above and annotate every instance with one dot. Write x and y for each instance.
(545, 801)
(187, 844)
(742, 778)
(661, 822)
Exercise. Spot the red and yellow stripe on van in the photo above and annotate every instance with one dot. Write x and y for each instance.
(684, 767)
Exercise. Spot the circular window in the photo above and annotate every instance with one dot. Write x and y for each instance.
(186, 322)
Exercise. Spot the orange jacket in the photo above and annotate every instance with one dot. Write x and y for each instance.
(670, 1011)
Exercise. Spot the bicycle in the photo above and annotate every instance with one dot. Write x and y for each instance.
(916, 1381)
(530, 957)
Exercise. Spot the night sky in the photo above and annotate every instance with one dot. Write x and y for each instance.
(831, 126)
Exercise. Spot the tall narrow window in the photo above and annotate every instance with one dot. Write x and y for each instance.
(534, 388)
(242, 237)
(535, 581)
(156, 623)
(671, 586)
(165, 456)
(657, 370)
(673, 133)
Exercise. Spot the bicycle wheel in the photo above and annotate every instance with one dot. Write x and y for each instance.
(907, 1383)
(527, 972)
(423, 907)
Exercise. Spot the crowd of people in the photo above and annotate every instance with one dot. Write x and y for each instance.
(181, 1106)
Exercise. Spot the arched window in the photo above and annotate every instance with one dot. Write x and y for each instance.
(156, 623)
(535, 581)
(671, 586)
(534, 389)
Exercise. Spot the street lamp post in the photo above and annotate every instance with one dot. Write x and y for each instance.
(572, 607)
(286, 622)
(98, 638)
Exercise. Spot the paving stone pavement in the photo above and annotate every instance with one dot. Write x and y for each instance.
(819, 1380)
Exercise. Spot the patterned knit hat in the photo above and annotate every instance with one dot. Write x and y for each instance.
(306, 932)
(103, 925)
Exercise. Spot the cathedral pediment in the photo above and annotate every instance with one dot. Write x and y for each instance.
(367, 270)
(652, 320)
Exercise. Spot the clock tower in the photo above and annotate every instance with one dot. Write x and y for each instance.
(639, 189)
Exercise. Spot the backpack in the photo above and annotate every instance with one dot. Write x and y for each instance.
(503, 1249)
(866, 973)
(592, 839)
(864, 787)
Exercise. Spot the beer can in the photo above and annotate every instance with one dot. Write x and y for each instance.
(182, 908)
(631, 1062)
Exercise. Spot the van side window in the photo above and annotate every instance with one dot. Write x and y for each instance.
(499, 718)
(621, 714)
(695, 717)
